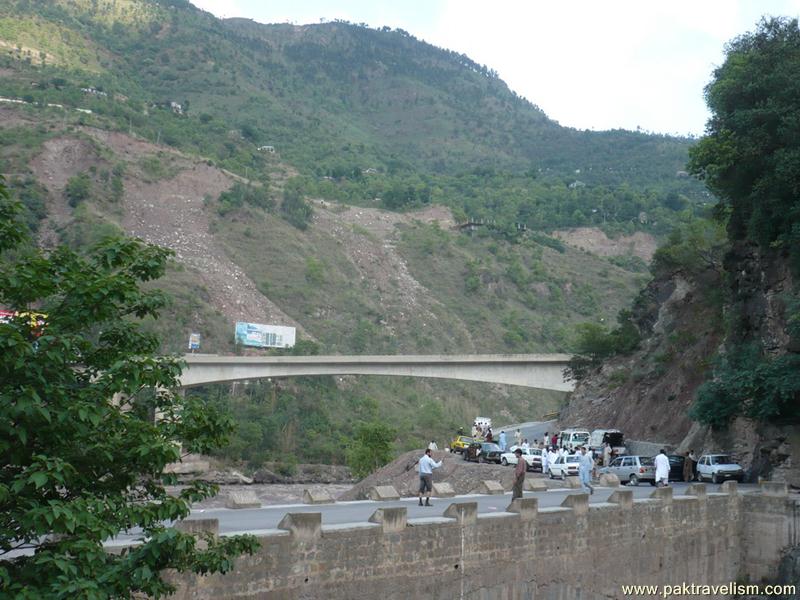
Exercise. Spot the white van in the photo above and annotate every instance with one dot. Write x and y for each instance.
(573, 438)
(613, 436)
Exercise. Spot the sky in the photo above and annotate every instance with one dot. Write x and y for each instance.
(588, 64)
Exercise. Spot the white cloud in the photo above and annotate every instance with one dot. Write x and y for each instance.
(603, 65)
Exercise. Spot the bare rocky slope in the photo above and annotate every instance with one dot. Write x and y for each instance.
(648, 393)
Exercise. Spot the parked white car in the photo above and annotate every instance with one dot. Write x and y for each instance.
(717, 468)
(532, 456)
(563, 467)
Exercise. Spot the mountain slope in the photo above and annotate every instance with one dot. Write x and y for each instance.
(337, 100)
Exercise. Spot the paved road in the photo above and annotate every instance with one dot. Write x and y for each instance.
(266, 518)
(532, 430)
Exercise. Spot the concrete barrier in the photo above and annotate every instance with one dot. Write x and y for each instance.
(489, 486)
(697, 489)
(317, 497)
(608, 480)
(572, 482)
(527, 508)
(302, 526)
(466, 513)
(730, 487)
(195, 526)
(392, 519)
(662, 494)
(777, 489)
(243, 499)
(724, 539)
(443, 490)
(534, 485)
(384, 492)
(622, 497)
(579, 503)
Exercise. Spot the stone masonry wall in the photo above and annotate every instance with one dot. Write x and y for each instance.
(575, 552)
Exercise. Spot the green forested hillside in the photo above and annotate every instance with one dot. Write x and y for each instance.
(371, 117)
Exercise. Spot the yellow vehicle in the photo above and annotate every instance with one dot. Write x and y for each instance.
(36, 321)
(461, 443)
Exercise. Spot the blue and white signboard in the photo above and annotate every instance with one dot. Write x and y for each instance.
(259, 335)
(194, 341)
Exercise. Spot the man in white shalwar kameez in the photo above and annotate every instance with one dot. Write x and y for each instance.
(662, 469)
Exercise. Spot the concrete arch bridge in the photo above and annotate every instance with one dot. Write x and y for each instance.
(540, 371)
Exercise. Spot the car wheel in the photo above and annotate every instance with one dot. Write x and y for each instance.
(550, 473)
(633, 480)
(653, 483)
(480, 459)
(714, 478)
(504, 462)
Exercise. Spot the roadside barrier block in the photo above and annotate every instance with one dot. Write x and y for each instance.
(778, 489)
(608, 480)
(697, 489)
(194, 526)
(317, 497)
(622, 497)
(384, 492)
(534, 485)
(466, 513)
(243, 499)
(730, 487)
(392, 519)
(572, 482)
(527, 508)
(577, 502)
(303, 526)
(443, 490)
(489, 486)
(662, 494)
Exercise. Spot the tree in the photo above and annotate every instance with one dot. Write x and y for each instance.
(371, 448)
(82, 457)
(750, 157)
(78, 189)
(294, 208)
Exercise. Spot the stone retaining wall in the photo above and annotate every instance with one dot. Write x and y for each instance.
(577, 551)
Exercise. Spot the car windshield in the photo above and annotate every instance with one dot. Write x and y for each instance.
(580, 438)
(614, 438)
(573, 458)
(646, 461)
(721, 460)
(491, 447)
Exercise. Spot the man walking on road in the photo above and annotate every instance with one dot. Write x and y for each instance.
(585, 468)
(662, 469)
(519, 475)
(503, 441)
(426, 467)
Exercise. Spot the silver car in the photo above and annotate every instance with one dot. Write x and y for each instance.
(632, 469)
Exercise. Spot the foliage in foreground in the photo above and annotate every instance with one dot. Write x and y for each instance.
(82, 458)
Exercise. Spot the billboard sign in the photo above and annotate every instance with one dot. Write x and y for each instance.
(259, 335)
(194, 341)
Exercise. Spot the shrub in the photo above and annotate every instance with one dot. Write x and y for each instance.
(78, 189)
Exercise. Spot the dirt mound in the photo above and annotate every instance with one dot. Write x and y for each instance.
(594, 240)
(464, 476)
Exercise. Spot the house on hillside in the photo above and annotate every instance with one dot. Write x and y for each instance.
(270, 149)
(176, 108)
